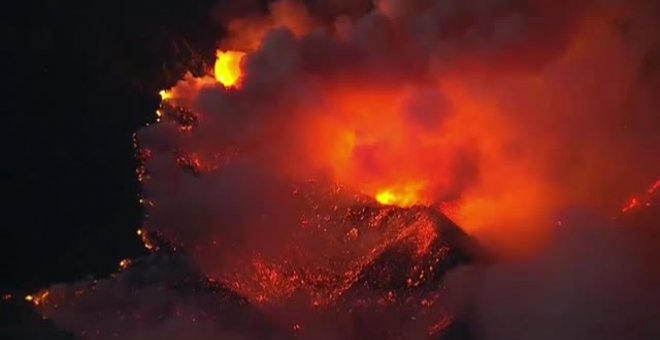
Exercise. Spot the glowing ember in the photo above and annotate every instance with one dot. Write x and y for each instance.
(38, 299)
(125, 263)
(318, 186)
(228, 68)
(165, 95)
(632, 204)
(643, 200)
(148, 243)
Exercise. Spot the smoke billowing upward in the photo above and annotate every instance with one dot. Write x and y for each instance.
(500, 114)
(505, 111)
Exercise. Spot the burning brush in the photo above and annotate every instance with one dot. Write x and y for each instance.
(399, 280)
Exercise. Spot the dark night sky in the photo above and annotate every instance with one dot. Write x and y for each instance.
(80, 78)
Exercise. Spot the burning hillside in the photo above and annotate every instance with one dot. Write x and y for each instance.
(311, 184)
(399, 280)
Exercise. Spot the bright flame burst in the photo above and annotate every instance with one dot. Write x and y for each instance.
(403, 196)
(228, 68)
(165, 95)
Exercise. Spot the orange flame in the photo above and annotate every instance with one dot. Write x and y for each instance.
(228, 68)
(403, 196)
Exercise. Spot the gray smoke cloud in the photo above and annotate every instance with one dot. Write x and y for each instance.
(594, 280)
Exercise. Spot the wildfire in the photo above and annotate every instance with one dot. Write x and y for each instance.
(321, 169)
(228, 68)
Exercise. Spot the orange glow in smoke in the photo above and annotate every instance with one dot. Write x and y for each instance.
(228, 68)
(363, 138)
(146, 241)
